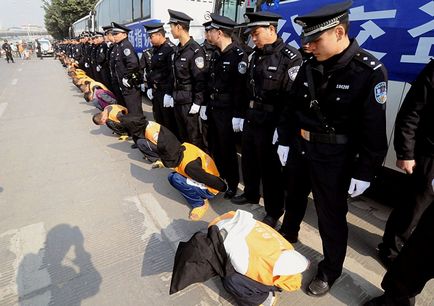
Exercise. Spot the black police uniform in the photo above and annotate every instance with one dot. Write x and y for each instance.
(271, 72)
(189, 84)
(414, 140)
(8, 50)
(127, 68)
(335, 126)
(157, 62)
(227, 83)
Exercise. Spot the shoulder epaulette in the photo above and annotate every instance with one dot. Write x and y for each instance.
(239, 51)
(368, 60)
(289, 53)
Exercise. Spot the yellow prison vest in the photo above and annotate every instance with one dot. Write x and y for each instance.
(152, 131)
(116, 108)
(264, 253)
(191, 153)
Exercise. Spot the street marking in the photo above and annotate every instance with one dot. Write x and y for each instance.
(14, 82)
(31, 278)
(3, 108)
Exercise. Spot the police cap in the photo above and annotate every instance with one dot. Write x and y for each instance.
(207, 25)
(117, 28)
(153, 27)
(98, 34)
(222, 22)
(179, 17)
(327, 17)
(107, 29)
(262, 18)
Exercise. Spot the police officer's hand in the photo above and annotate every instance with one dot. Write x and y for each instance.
(357, 187)
(125, 83)
(149, 94)
(275, 137)
(236, 124)
(283, 151)
(406, 165)
(98, 68)
(86, 65)
(168, 101)
(202, 113)
(194, 109)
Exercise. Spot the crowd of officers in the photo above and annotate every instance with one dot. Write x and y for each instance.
(310, 120)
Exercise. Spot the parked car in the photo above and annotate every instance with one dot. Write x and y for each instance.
(44, 47)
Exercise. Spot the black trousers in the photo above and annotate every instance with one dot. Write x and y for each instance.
(260, 161)
(148, 149)
(9, 57)
(323, 169)
(133, 100)
(405, 217)
(163, 115)
(246, 291)
(414, 266)
(188, 125)
(117, 92)
(116, 127)
(222, 144)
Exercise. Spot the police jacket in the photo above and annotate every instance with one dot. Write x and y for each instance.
(227, 79)
(414, 128)
(271, 72)
(102, 55)
(112, 50)
(158, 67)
(351, 92)
(7, 47)
(189, 73)
(126, 62)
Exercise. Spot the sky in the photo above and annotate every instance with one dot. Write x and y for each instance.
(21, 12)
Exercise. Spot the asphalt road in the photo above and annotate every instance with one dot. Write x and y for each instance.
(84, 220)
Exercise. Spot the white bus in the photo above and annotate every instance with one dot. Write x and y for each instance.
(135, 13)
(84, 24)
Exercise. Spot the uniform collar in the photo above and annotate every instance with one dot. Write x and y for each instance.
(270, 48)
(340, 60)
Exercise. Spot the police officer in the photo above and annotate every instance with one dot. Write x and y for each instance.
(111, 55)
(103, 58)
(227, 83)
(333, 135)
(271, 72)
(414, 146)
(159, 76)
(98, 41)
(8, 50)
(189, 79)
(127, 70)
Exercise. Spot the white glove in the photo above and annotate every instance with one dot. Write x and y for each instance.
(149, 94)
(194, 109)
(86, 65)
(167, 101)
(202, 113)
(241, 124)
(125, 83)
(236, 124)
(142, 88)
(357, 187)
(275, 137)
(98, 68)
(283, 151)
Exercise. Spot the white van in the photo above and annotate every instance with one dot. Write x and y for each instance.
(46, 47)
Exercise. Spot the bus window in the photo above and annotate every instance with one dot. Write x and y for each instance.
(126, 11)
(114, 10)
(137, 9)
(146, 9)
(230, 8)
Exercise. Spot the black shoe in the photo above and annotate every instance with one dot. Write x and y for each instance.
(318, 287)
(241, 200)
(291, 238)
(229, 194)
(133, 146)
(270, 221)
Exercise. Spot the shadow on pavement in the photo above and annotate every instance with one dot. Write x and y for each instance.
(54, 276)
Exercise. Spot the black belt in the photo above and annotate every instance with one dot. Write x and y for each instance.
(220, 96)
(324, 138)
(186, 87)
(261, 106)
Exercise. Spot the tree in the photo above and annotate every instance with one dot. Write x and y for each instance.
(61, 14)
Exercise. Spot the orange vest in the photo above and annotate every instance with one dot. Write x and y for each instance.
(116, 108)
(191, 153)
(152, 131)
(265, 246)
